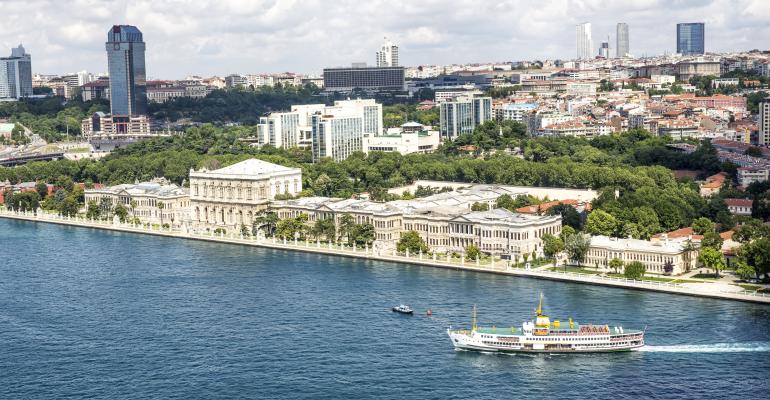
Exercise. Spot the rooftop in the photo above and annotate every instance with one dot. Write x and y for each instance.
(251, 167)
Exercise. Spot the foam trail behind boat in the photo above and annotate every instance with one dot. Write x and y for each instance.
(741, 347)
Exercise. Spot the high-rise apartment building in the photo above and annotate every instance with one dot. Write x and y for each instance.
(691, 38)
(621, 40)
(463, 114)
(125, 58)
(604, 49)
(388, 55)
(585, 46)
(16, 74)
(764, 122)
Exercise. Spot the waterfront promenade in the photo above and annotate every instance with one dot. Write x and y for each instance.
(488, 266)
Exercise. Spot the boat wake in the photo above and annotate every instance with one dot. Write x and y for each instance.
(744, 347)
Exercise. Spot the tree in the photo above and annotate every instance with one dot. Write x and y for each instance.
(266, 220)
(479, 206)
(92, 210)
(668, 267)
(362, 234)
(42, 189)
(121, 211)
(346, 227)
(161, 206)
(576, 246)
(634, 270)
(753, 151)
(712, 259)
(616, 264)
(569, 215)
(472, 252)
(412, 242)
(702, 225)
(565, 232)
(552, 246)
(712, 239)
(69, 207)
(324, 228)
(757, 255)
(600, 222)
(745, 271)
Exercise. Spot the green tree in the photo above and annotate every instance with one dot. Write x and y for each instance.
(121, 211)
(600, 222)
(757, 255)
(566, 231)
(265, 220)
(411, 241)
(479, 206)
(712, 239)
(472, 252)
(42, 189)
(616, 264)
(347, 222)
(702, 225)
(745, 271)
(712, 259)
(552, 246)
(569, 215)
(325, 228)
(362, 234)
(634, 270)
(92, 210)
(69, 207)
(576, 246)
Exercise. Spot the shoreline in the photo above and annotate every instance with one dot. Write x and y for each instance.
(367, 254)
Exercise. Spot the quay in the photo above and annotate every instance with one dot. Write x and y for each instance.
(494, 266)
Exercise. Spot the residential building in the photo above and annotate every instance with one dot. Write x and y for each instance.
(749, 175)
(449, 94)
(371, 79)
(764, 122)
(604, 49)
(98, 89)
(622, 48)
(387, 56)
(16, 74)
(713, 184)
(691, 38)
(654, 255)
(739, 206)
(230, 197)
(154, 202)
(724, 82)
(463, 115)
(514, 111)
(585, 46)
(575, 128)
(125, 57)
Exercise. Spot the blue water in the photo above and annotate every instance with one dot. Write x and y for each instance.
(95, 314)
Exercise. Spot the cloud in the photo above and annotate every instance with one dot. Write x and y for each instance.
(250, 36)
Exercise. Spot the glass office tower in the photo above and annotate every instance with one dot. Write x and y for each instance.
(125, 58)
(691, 38)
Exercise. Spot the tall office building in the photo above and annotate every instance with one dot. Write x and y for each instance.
(585, 45)
(16, 74)
(604, 49)
(125, 58)
(691, 38)
(338, 131)
(463, 114)
(764, 122)
(621, 40)
(388, 55)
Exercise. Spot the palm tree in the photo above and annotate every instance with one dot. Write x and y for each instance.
(161, 206)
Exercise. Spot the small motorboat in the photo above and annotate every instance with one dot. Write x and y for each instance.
(403, 309)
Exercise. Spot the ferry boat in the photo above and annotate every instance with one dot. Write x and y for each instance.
(545, 336)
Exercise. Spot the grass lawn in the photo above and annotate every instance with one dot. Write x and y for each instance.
(645, 278)
(704, 276)
(685, 281)
(578, 270)
(750, 287)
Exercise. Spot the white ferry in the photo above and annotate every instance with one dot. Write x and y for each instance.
(545, 336)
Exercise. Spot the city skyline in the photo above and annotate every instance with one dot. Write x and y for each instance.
(208, 38)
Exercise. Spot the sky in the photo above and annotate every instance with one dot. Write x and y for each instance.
(219, 37)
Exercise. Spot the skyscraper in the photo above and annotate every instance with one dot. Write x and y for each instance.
(16, 74)
(388, 55)
(691, 38)
(585, 45)
(604, 49)
(764, 122)
(621, 38)
(125, 58)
